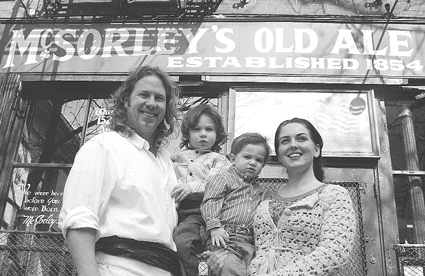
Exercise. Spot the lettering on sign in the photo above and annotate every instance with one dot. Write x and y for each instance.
(42, 207)
(281, 48)
(103, 119)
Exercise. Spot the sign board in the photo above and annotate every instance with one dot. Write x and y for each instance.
(214, 48)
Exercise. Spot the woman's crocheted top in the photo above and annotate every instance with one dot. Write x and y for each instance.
(312, 234)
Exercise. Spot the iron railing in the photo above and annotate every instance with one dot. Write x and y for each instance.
(410, 259)
(153, 9)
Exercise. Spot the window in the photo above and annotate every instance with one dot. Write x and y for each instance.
(345, 120)
(406, 130)
(52, 130)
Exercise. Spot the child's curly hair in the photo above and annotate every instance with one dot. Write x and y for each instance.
(191, 119)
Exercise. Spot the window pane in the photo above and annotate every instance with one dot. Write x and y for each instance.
(35, 199)
(54, 129)
(403, 200)
(344, 114)
(98, 119)
(395, 128)
(52, 132)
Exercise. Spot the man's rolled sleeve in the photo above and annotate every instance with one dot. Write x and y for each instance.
(80, 217)
(88, 188)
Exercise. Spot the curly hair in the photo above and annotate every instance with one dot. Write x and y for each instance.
(250, 138)
(119, 119)
(317, 140)
(191, 119)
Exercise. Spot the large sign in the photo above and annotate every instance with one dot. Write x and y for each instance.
(273, 48)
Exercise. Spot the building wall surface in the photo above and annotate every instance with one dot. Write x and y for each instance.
(324, 7)
(403, 8)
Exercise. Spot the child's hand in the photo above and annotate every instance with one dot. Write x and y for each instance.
(181, 191)
(219, 237)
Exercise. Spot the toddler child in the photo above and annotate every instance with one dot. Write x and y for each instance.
(230, 200)
(203, 134)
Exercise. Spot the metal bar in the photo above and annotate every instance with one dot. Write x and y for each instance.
(408, 173)
(303, 79)
(409, 245)
(42, 165)
(30, 249)
(36, 233)
(86, 121)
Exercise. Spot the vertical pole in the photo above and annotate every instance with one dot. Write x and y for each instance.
(232, 117)
(86, 121)
(10, 89)
(415, 182)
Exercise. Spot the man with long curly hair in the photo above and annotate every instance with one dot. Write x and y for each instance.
(118, 212)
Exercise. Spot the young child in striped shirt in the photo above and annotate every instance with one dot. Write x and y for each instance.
(230, 200)
(203, 134)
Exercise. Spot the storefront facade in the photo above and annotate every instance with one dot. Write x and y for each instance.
(56, 79)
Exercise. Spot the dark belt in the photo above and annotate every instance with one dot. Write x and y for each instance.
(154, 254)
(237, 229)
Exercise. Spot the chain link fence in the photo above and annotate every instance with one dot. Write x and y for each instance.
(34, 254)
(356, 265)
(410, 259)
(46, 254)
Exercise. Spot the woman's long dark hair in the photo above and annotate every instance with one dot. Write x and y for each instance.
(317, 140)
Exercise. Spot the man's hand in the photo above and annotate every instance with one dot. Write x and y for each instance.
(181, 191)
(219, 237)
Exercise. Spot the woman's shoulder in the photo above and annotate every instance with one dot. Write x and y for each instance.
(336, 196)
(333, 189)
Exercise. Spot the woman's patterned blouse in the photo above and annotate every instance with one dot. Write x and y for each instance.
(312, 234)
